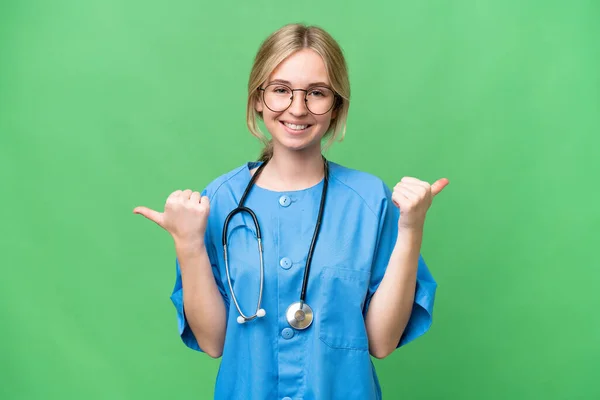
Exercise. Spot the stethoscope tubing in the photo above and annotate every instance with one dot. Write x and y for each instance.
(242, 209)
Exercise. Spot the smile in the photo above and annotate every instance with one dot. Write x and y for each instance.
(295, 127)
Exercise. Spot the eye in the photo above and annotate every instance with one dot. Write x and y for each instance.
(280, 90)
(319, 92)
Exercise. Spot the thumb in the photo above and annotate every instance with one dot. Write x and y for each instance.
(151, 215)
(439, 185)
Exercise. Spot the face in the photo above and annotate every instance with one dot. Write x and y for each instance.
(296, 128)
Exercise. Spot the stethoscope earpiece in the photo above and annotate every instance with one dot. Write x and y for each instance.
(260, 313)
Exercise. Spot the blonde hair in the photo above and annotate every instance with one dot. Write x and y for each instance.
(276, 48)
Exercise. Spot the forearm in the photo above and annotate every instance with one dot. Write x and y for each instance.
(391, 305)
(203, 304)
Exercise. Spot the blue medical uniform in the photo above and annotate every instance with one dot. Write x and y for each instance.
(266, 358)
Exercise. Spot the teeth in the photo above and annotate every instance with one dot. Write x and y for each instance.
(295, 127)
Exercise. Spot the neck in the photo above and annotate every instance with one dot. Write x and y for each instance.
(292, 170)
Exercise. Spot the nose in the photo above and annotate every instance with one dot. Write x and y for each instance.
(298, 106)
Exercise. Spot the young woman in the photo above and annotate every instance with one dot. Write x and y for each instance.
(293, 268)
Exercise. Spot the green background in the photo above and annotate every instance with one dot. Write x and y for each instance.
(107, 105)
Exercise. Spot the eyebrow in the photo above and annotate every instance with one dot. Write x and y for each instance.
(290, 84)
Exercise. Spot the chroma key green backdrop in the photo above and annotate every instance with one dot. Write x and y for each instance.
(106, 105)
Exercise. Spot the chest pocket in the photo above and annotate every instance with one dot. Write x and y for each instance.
(341, 319)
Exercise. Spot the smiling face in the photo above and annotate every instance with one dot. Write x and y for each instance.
(296, 128)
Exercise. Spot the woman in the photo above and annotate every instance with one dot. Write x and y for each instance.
(340, 277)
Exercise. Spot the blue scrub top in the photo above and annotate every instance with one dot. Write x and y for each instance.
(266, 358)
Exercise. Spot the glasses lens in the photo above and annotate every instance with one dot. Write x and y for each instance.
(277, 97)
(319, 100)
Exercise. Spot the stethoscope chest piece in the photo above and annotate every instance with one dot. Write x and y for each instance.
(299, 315)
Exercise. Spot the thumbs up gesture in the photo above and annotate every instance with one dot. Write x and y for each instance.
(185, 216)
(414, 197)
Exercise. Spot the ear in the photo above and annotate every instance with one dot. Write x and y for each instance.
(336, 107)
(258, 104)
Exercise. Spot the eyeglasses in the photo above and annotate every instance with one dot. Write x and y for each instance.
(278, 97)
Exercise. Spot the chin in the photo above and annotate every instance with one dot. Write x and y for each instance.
(297, 144)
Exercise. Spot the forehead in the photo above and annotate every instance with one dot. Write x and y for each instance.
(301, 69)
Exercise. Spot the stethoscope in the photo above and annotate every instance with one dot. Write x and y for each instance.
(299, 314)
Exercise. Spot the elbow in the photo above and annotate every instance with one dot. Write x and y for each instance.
(382, 348)
(209, 343)
(383, 345)
(381, 352)
(212, 350)
(214, 353)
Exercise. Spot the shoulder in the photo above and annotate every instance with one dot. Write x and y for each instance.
(233, 179)
(371, 189)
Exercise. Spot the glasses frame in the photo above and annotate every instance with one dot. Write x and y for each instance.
(334, 103)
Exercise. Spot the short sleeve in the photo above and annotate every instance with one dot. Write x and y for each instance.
(185, 331)
(422, 310)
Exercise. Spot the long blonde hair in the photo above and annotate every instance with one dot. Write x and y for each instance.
(276, 48)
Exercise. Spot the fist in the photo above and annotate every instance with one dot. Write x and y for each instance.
(414, 197)
(185, 215)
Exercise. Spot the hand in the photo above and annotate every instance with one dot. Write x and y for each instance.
(185, 216)
(414, 198)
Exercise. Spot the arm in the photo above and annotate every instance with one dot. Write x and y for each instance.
(200, 305)
(203, 304)
(391, 305)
